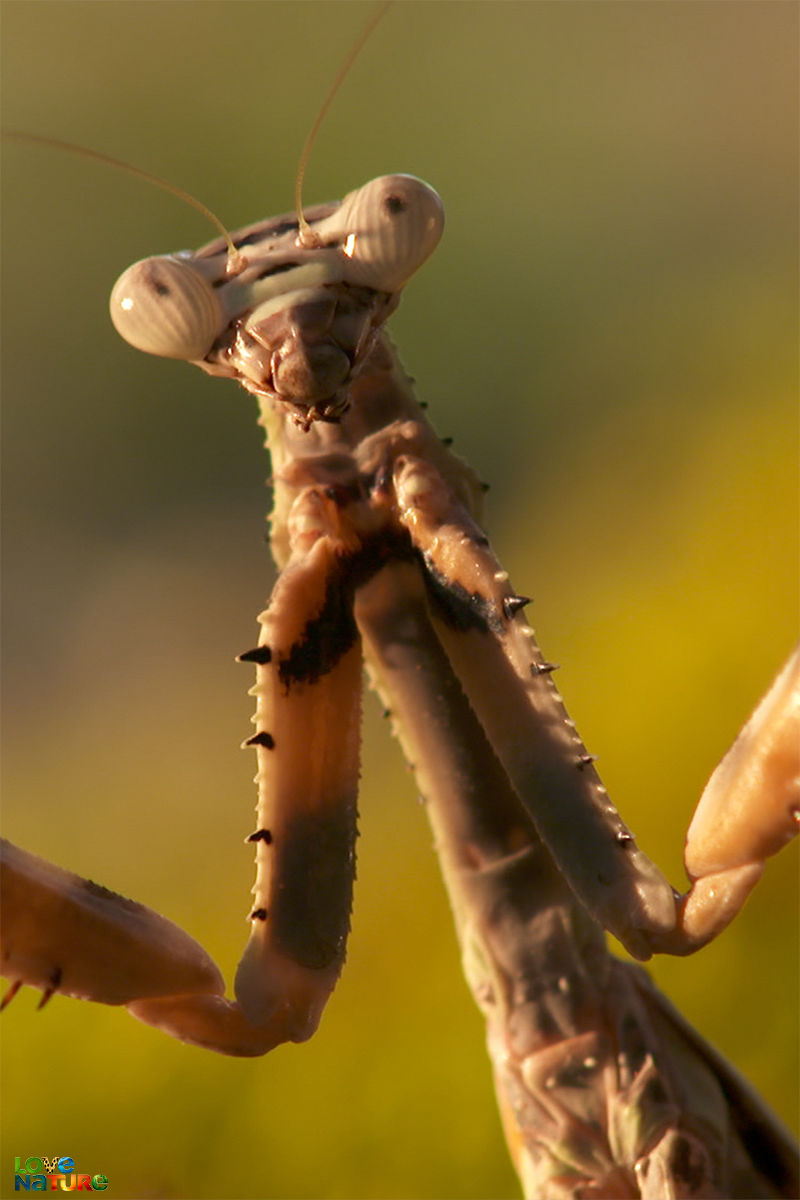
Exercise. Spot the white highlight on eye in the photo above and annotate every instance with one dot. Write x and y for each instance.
(165, 307)
(386, 230)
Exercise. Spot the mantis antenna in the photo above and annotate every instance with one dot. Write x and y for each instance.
(306, 236)
(236, 261)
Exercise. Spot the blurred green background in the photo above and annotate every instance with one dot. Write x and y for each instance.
(608, 333)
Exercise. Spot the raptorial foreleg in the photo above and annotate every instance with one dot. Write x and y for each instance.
(478, 619)
(92, 943)
(603, 1089)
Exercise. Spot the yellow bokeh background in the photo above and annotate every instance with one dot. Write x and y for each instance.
(607, 332)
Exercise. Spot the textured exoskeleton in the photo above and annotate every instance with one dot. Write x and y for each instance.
(605, 1091)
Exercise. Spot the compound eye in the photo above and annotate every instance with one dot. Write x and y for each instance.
(164, 307)
(391, 226)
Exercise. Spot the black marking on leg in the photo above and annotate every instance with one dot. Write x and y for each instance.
(447, 441)
(625, 839)
(586, 760)
(513, 604)
(258, 914)
(313, 886)
(544, 668)
(325, 639)
(103, 893)
(260, 835)
(462, 610)
(262, 738)
(259, 654)
(328, 636)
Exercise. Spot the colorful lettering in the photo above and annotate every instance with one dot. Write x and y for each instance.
(38, 1173)
(33, 1166)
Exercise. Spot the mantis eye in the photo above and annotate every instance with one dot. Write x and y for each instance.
(164, 307)
(391, 226)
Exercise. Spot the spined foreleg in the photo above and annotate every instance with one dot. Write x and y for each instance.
(63, 933)
(749, 810)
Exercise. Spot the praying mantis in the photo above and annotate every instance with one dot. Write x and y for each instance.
(517, 574)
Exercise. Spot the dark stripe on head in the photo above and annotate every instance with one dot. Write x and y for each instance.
(264, 233)
(278, 270)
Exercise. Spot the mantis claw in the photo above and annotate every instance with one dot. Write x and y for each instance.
(747, 813)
